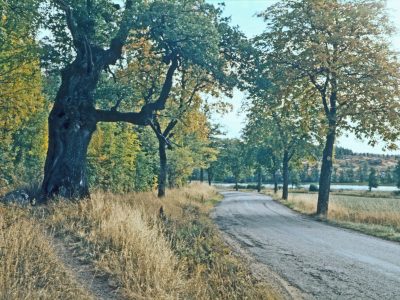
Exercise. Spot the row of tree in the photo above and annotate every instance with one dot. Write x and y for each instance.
(258, 165)
(319, 68)
(121, 66)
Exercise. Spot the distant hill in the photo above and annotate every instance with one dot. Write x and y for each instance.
(351, 167)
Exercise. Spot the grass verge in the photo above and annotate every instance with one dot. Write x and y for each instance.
(375, 214)
(29, 267)
(144, 253)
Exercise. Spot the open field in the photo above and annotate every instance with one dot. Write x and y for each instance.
(127, 244)
(376, 214)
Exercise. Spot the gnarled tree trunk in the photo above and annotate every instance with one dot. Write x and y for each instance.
(72, 122)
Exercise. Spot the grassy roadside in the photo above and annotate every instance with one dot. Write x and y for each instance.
(29, 267)
(142, 252)
(376, 214)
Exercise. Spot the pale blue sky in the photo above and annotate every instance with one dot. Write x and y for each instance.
(243, 13)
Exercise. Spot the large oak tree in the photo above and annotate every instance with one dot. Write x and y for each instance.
(88, 38)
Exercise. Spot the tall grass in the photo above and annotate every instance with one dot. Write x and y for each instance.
(378, 215)
(174, 253)
(29, 267)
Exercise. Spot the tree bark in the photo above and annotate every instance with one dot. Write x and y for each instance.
(285, 174)
(163, 142)
(209, 176)
(236, 184)
(327, 155)
(201, 175)
(259, 177)
(275, 182)
(162, 175)
(325, 176)
(72, 122)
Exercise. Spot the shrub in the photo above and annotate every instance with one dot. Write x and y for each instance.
(313, 188)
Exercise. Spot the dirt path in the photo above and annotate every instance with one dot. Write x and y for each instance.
(324, 262)
(84, 274)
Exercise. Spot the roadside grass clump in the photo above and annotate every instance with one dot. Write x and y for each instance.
(29, 267)
(379, 216)
(154, 249)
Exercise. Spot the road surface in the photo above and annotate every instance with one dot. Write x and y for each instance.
(322, 261)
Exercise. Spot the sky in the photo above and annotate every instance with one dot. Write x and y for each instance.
(242, 13)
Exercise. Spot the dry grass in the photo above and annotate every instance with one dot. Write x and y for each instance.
(148, 255)
(377, 215)
(29, 268)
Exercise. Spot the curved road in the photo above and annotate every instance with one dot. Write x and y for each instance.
(323, 261)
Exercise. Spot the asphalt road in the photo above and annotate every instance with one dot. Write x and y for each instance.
(323, 261)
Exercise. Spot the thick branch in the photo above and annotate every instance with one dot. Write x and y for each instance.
(136, 118)
(169, 128)
(77, 39)
(146, 113)
(114, 52)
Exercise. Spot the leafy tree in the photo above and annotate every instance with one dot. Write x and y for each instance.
(372, 179)
(397, 174)
(88, 38)
(22, 105)
(341, 48)
(112, 158)
(363, 171)
(275, 115)
(232, 159)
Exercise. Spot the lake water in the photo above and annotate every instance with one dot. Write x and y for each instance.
(334, 187)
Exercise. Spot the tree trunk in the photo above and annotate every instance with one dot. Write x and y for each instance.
(327, 156)
(162, 175)
(72, 122)
(285, 174)
(326, 172)
(73, 118)
(259, 175)
(275, 183)
(209, 176)
(201, 175)
(236, 184)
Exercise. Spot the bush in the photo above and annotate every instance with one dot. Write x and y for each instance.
(313, 188)
(252, 186)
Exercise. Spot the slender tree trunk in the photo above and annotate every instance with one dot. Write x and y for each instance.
(327, 156)
(325, 176)
(162, 175)
(209, 176)
(275, 183)
(236, 184)
(259, 177)
(285, 174)
(201, 175)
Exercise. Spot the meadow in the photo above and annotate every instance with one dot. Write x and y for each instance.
(129, 243)
(376, 213)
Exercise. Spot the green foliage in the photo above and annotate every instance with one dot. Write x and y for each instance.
(22, 106)
(397, 174)
(373, 181)
(112, 158)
